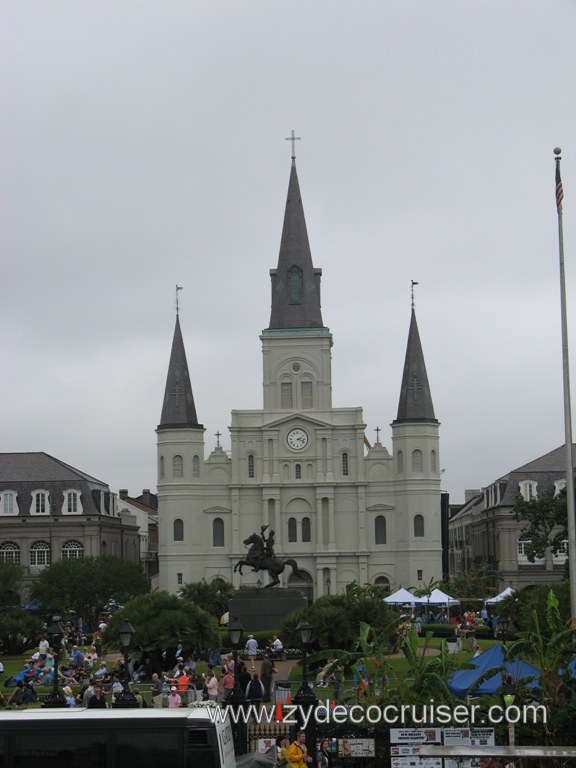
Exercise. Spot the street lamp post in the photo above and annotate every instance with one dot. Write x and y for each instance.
(237, 699)
(126, 699)
(56, 633)
(305, 700)
(509, 696)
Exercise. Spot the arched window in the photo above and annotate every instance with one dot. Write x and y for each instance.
(251, 465)
(382, 581)
(298, 471)
(294, 285)
(9, 552)
(418, 526)
(178, 529)
(400, 461)
(286, 394)
(292, 533)
(306, 529)
(433, 464)
(40, 554)
(345, 464)
(177, 466)
(417, 461)
(196, 467)
(380, 530)
(162, 467)
(306, 392)
(217, 532)
(72, 550)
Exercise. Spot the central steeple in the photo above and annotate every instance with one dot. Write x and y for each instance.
(295, 282)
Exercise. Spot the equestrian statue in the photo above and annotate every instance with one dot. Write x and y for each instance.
(261, 557)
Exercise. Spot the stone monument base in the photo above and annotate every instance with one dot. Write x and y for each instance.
(261, 609)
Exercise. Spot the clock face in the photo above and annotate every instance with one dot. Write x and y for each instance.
(297, 439)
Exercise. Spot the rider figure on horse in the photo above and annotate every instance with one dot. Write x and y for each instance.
(268, 545)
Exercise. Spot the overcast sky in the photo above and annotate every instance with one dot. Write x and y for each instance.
(142, 145)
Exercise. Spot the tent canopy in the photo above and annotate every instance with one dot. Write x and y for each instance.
(461, 681)
(437, 597)
(400, 597)
(502, 596)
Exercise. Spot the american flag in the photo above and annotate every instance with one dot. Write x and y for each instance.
(559, 190)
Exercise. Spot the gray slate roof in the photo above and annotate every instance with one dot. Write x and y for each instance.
(415, 398)
(28, 472)
(295, 252)
(178, 410)
(544, 470)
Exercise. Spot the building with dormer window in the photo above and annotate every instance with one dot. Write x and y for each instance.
(51, 511)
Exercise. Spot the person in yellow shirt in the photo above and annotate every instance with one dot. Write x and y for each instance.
(298, 756)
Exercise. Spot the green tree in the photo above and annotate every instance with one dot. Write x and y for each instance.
(18, 630)
(161, 621)
(551, 652)
(546, 520)
(10, 576)
(477, 583)
(86, 585)
(212, 597)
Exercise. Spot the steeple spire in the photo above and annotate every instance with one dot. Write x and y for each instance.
(178, 410)
(415, 398)
(295, 282)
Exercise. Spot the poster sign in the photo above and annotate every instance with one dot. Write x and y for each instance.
(416, 762)
(356, 748)
(415, 735)
(469, 737)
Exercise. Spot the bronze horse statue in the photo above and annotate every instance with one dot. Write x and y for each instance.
(259, 560)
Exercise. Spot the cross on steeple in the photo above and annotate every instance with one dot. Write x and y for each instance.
(293, 139)
(178, 288)
(177, 392)
(218, 435)
(415, 387)
(377, 430)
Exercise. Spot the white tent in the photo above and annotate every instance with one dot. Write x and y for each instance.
(400, 597)
(437, 597)
(502, 596)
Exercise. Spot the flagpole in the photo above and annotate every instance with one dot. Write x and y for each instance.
(567, 408)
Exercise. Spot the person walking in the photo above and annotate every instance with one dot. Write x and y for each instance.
(324, 758)
(157, 695)
(298, 756)
(252, 650)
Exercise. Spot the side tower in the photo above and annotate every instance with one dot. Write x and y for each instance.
(180, 452)
(415, 439)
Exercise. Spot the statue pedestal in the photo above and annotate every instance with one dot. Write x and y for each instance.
(260, 609)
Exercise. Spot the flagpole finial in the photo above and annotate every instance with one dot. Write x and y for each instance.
(557, 150)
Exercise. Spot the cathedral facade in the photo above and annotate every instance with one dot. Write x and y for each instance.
(300, 469)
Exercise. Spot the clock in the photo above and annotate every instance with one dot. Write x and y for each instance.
(297, 439)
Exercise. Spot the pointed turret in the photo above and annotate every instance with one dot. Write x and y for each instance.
(415, 399)
(178, 410)
(295, 282)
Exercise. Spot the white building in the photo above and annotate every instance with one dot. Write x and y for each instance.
(299, 465)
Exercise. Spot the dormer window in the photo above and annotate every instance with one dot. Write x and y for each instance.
(528, 489)
(295, 285)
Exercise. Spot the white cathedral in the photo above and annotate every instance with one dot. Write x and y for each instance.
(344, 511)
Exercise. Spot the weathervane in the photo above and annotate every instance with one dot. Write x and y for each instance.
(412, 284)
(293, 139)
(178, 288)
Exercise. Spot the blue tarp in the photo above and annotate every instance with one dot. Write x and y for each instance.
(520, 671)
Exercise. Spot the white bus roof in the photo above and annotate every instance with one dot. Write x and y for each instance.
(39, 714)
